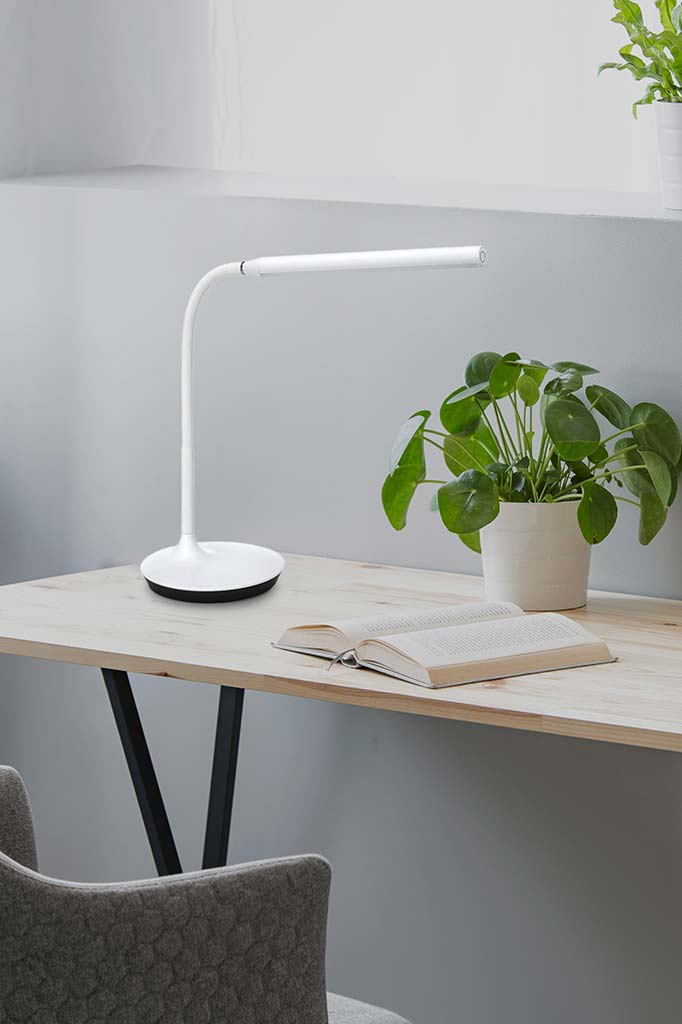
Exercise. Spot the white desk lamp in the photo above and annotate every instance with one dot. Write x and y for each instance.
(228, 571)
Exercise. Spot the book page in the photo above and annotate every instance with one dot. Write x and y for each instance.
(484, 641)
(423, 619)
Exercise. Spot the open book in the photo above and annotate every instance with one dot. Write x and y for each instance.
(466, 643)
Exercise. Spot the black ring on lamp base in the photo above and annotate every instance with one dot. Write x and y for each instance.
(213, 596)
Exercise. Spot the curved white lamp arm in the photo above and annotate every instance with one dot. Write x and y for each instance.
(188, 527)
(225, 571)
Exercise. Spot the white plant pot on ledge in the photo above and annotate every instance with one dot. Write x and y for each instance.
(536, 556)
(669, 133)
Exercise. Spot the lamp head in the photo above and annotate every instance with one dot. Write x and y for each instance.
(383, 259)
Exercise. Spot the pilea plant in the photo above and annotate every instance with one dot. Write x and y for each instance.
(660, 53)
(525, 431)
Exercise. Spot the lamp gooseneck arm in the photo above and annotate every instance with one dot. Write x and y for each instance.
(188, 528)
(264, 266)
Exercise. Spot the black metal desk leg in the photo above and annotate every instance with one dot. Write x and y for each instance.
(223, 774)
(142, 772)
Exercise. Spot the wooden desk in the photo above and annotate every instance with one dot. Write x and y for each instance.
(111, 620)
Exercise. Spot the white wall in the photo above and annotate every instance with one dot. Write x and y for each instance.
(89, 84)
(459, 90)
(454, 90)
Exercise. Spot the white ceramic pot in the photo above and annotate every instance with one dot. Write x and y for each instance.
(669, 132)
(535, 555)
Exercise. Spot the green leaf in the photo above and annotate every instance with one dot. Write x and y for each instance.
(468, 503)
(659, 473)
(567, 364)
(652, 515)
(637, 481)
(630, 13)
(572, 429)
(471, 540)
(461, 415)
(484, 434)
(674, 475)
(566, 383)
(599, 454)
(396, 495)
(612, 407)
(408, 447)
(480, 367)
(580, 471)
(656, 431)
(504, 376)
(534, 368)
(462, 406)
(665, 9)
(676, 18)
(528, 389)
(464, 453)
(597, 513)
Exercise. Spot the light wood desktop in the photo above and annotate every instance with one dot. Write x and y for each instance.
(111, 620)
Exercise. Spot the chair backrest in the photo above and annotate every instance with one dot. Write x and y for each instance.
(17, 839)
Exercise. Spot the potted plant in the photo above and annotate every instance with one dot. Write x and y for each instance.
(658, 62)
(535, 460)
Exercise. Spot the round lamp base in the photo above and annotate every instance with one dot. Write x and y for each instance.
(212, 572)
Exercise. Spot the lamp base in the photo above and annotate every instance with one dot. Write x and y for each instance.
(211, 572)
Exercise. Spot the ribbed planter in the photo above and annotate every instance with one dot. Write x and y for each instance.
(669, 132)
(536, 556)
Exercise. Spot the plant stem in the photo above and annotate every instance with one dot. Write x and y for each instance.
(519, 422)
(599, 476)
(619, 433)
(628, 500)
(432, 481)
(508, 447)
(434, 443)
(615, 455)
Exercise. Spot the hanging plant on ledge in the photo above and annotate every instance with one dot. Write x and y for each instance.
(656, 59)
(522, 433)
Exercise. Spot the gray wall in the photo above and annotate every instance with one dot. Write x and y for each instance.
(86, 84)
(480, 875)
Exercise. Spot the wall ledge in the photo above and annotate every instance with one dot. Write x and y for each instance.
(350, 189)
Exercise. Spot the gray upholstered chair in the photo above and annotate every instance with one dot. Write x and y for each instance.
(236, 945)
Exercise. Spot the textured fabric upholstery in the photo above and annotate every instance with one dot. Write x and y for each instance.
(237, 945)
(348, 1011)
(16, 824)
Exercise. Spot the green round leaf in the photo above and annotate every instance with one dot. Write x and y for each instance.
(652, 516)
(658, 470)
(597, 513)
(485, 435)
(656, 431)
(565, 383)
(504, 376)
(480, 367)
(461, 415)
(533, 368)
(396, 495)
(468, 503)
(408, 447)
(599, 454)
(612, 407)
(464, 453)
(572, 429)
(580, 471)
(568, 364)
(637, 481)
(528, 390)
